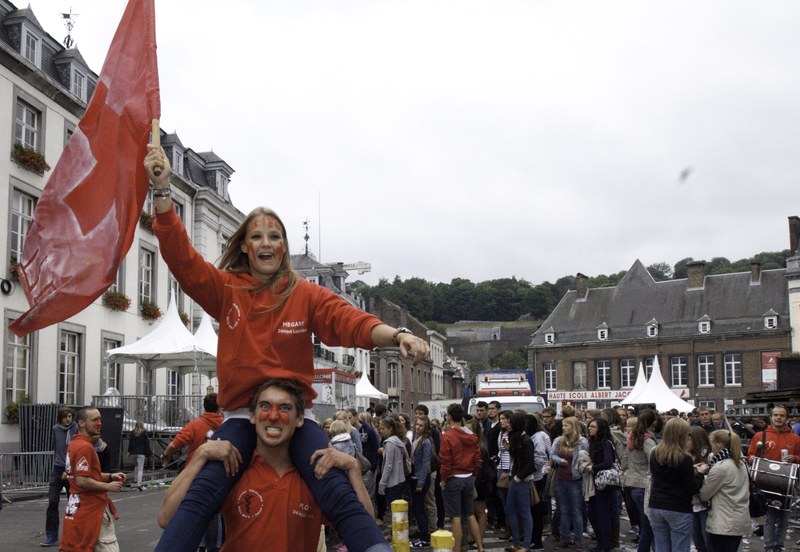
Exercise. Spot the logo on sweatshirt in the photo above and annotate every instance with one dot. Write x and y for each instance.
(233, 316)
(293, 327)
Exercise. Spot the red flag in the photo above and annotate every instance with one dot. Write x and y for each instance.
(85, 220)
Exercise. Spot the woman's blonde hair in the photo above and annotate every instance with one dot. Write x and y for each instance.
(138, 428)
(574, 435)
(730, 441)
(235, 260)
(671, 451)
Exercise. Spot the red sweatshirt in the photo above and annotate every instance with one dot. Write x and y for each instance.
(459, 453)
(775, 442)
(256, 344)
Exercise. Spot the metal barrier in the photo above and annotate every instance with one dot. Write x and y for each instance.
(25, 474)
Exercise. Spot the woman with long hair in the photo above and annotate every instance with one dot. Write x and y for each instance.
(641, 442)
(674, 482)
(421, 454)
(601, 452)
(541, 456)
(139, 447)
(393, 475)
(569, 480)
(504, 464)
(617, 430)
(726, 487)
(699, 447)
(518, 501)
(267, 313)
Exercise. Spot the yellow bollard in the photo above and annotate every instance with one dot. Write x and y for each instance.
(400, 542)
(442, 541)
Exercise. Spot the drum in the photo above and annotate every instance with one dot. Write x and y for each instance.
(778, 481)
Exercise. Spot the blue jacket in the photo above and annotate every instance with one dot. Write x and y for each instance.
(583, 444)
(422, 462)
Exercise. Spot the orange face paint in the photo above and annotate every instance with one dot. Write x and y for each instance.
(272, 412)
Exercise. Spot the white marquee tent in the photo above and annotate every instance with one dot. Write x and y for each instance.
(656, 392)
(366, 391)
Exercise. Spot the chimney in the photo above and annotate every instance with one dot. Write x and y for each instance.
(696, 274)
(581, 286)
(755, 273)
(794, 235)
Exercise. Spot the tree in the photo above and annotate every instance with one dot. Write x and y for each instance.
(510, 359)
(660, 271)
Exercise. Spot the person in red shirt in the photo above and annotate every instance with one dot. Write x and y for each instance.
(90, 514)
(267, 314)
(196, 432)
(769, 444)
(459, 462)
(270, 503)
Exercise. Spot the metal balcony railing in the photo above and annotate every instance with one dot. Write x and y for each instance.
(158, 412)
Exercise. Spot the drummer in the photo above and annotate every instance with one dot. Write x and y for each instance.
(778, 443)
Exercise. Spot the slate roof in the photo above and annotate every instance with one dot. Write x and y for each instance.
(731, 302)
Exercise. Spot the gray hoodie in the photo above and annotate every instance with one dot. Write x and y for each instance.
(394, 452)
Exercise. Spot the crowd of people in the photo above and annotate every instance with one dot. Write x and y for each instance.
(682, 480)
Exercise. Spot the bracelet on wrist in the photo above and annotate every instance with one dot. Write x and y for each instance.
(162, 192)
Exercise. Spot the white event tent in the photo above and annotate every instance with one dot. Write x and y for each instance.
(366, 391)
(656, 392)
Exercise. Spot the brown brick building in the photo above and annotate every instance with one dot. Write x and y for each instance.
(717, 337)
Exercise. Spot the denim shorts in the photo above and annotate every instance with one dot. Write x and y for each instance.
(458, 493)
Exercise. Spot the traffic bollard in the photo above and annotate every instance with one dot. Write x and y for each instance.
(400, 541)
(442, 541)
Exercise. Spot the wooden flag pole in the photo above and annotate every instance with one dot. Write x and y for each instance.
(156, 140)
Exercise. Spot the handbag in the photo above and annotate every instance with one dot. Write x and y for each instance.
(535, 499)
(550, 484)
(503, 481)
(364, 462)
(612, 477)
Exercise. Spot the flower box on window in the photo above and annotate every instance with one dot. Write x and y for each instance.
(149, 311)
(29, 159)
(146, 220)
(116, 301)
(12, 271)
(12, 409)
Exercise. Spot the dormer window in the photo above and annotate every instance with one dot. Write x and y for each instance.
(222, 184)
(550, 338)
(177, 161)
(770, 320)
(602, 332)
(704, 326)
(79, 84)
(31, 46)
(652, 328)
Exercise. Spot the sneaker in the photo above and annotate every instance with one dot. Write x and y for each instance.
(49, 541)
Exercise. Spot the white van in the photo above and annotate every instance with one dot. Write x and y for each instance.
(531, 403)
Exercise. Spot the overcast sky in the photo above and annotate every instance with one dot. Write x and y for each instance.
(483, 140)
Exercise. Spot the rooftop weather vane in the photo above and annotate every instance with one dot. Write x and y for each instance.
(69, 23)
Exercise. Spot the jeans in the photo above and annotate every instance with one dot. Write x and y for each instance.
(393, 493)
(334, 494)
(139, 470)
(600, 514)
(53, 496)
(725, 543)
(420, 512)
(775, 529)
(518, 508)
(672, 531)
(570, 505)
(645, 531)
(700, 537)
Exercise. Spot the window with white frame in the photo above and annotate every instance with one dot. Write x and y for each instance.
(392, 373)
(652, 330)
(176, 292)
(119, 281)
(627, 373)
(549, 338)
(649, 362)
(69, 366)
(711, 405)
(148, 206)
(704, 326)
(79, 84)
(22, 206)
(678, 371)
(602, 334)
(142, 381)
(770, 322)
(579, 375)
(109, 371)
(31, 46)
(17, 366)
(177, 160)
(147, 276)
(603, 374)
(179, 209)
(550, 376)
(173, 385)
(732, 363)
(27, 125)
(706, 370)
